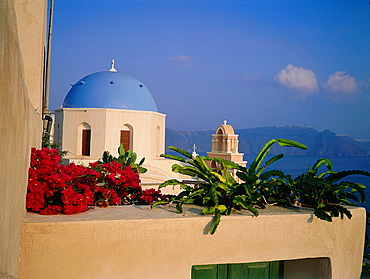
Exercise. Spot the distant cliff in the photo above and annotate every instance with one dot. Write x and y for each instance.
(320, 144)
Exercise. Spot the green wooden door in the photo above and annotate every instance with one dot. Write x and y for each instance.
(261, 270)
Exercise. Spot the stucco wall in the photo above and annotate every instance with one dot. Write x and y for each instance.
(32, 31)
(139, 242)
(20, 127)
(105, 131)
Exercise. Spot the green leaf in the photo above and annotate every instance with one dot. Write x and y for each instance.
(291, 143)
(221, 207)
(121, 150)
(208, 210)
(260, 170)
(207, 158)
(240, 200)
(173, 157)
(213, 194)
(200, 164)
(127, 154)
(179, 207)
(132, 159)
(197, 192)
(223, 186)
(274, 159)
(268, 174)
(321, 175)
(229, 178)
(218, 176)
(262, 154)
(339, 175)
(216, 221)
(248, 189)
(142, 161)
(182, 152)
(191, 171)
(227, 164)
(322, 161)
(253, 210)
(157, 203)
(322, 215)
(345, 211)
(243, 176)
(169, 182)
(142, 170)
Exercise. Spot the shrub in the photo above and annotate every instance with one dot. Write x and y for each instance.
(54, 188)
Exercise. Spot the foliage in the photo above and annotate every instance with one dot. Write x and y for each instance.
(125, 158)
(220, 192)
(46, 142)
(54, 188)
(326, 192)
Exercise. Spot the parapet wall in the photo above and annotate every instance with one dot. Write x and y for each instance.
(139, 242)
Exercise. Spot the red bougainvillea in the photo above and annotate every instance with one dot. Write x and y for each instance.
(54, 188)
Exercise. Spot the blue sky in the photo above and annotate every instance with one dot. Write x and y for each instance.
(253, 63)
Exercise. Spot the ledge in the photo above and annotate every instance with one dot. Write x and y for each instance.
(139, 242)
(127, 212)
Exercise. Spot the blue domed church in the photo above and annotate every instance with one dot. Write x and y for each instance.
(105, 109)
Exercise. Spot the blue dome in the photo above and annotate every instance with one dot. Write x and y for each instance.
(110, 89)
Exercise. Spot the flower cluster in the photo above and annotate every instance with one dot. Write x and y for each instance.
(150, 196)
(54, 188)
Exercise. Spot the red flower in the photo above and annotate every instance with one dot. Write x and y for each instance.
(54, 188)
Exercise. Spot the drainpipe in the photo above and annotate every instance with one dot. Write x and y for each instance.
(46, 111)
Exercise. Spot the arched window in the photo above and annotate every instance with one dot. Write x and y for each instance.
(126, 137)
(85, 139)
(219, 142)
(213, 165)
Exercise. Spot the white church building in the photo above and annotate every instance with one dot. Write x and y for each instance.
(103, 110)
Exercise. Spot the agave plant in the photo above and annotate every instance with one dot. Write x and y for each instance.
(218, 190)
(327, 192)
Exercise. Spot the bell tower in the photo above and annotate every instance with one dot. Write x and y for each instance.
(225, 146)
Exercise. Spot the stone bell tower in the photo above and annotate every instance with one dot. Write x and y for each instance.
(225, 146)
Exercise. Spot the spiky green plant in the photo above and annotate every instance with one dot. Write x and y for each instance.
(218, 190)
(326, 192)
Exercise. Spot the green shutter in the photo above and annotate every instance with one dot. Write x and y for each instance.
(256, 271)
(260, 270)
(222, 271)
(237, 271)
(204, 271)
